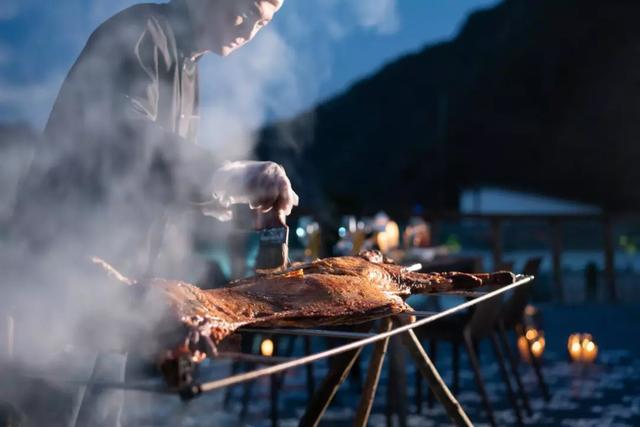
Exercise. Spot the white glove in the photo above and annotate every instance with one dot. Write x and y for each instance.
(261, 185)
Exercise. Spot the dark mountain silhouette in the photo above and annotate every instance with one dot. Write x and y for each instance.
(542, 96)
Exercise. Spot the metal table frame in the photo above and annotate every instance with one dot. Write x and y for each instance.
(401, 325)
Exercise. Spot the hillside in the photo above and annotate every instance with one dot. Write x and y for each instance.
(542, 96)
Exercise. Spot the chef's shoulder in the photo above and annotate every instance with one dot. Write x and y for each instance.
(138, 31)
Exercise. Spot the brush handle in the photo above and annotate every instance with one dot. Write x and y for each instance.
(271, 254)
(248, 219)
(271, 219)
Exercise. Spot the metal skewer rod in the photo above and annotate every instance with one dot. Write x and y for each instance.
(418, 313)
(252, 358)
(468, 294)
(270, 370)
(248, 376)
(310, 333)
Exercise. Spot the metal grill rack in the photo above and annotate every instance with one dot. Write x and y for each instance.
(401, 325)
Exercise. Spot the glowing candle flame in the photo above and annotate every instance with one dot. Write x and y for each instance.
(575, 347)
(536, 346)
(533, 338)
(531, 334)
(267, 347)
(582, 348)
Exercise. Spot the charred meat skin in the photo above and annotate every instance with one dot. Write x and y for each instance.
(330, 291)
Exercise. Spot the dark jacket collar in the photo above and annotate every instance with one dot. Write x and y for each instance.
(182, 26)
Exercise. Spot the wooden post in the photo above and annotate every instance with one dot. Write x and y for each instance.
(556, 257)
(496, 237)
(434, 380)
(373, 377)
(609, 260)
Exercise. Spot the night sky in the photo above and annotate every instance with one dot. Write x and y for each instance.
(313, 50)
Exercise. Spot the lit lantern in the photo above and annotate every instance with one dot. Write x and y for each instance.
(582, 348)
(393, 234)
(389, 238)
(267, 347)
(532, 337)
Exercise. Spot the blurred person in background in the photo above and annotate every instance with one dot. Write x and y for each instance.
(118, 164)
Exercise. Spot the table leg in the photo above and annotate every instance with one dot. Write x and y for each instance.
(373, 377)
(338, 372)
(513, 362)
(311, 386)
(434, 380)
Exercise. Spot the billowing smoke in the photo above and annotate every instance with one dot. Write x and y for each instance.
(282, 70)
(240, 90)
(275, 76)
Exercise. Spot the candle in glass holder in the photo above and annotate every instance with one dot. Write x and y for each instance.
(582, 348)
(533, 338)
(267, 347)
(574, 347)
(589, 349)
(537, 347)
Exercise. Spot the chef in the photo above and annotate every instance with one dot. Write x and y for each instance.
(119, 161)
(120, 154)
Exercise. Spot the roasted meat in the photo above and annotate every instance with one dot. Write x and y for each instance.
(332, 291)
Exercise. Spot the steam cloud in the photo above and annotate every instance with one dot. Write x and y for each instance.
(274, 76)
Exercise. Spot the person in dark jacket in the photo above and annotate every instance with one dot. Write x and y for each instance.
(117, 163)
(120, 152)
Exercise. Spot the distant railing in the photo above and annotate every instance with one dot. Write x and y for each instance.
(556, 224)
